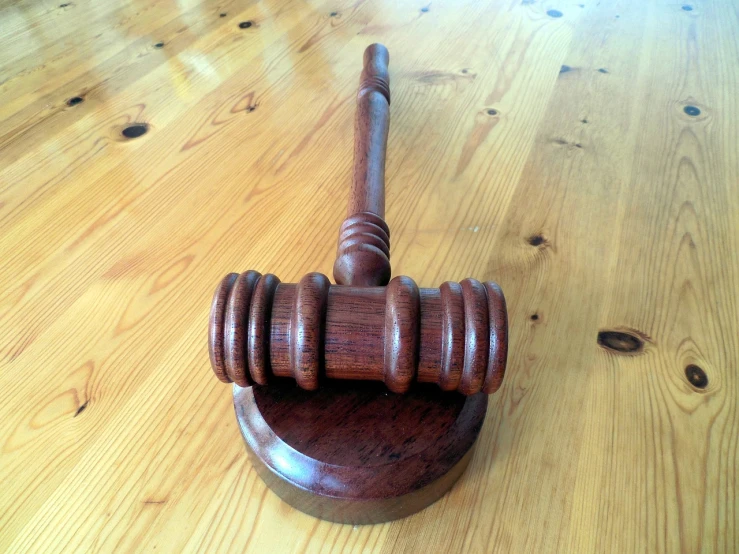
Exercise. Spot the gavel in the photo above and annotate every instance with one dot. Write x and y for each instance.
(365, 327)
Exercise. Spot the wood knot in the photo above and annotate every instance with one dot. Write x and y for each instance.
(75, 100)
(536, 240)
(135, 130)
(81, 408)
(692, 111)
(696, 376)
(621, 342)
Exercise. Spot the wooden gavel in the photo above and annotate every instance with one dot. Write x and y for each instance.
(363, 327)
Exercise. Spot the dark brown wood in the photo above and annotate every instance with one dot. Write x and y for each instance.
(258, 333)
(216, 327)
(402, 333)
(498, 355)
(363, 255)
(452, 336)
(455, 336)
(358, 454)
(307, 316)
(234, 330)
(332, 440)
(372, 123)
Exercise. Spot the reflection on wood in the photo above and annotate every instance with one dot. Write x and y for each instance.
(600, 201)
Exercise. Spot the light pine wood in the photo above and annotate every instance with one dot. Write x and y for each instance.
(592, 197)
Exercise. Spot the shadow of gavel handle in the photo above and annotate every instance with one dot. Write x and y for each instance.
(455, 336)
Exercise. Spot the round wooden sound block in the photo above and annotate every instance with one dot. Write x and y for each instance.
(358, 453)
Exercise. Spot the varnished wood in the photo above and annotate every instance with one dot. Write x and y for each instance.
(363, 348)
(315, 331)
(306, 331)
(217, 327)
(363, 255)
(259, 325)
(358, 455)
(363, 332)
(397, 334)
(235, 332)
(355, 454)
(114, 435)
(371, 124)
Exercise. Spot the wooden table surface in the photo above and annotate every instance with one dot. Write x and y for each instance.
(582, 155)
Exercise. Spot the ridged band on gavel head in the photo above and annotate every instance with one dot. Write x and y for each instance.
(452, 335)
(363, 256)
(402, 333)
(238, 337)
(234, 341)
(498, 354)
(260, 314)
(216, 327)
(455, 336)
(307, 328)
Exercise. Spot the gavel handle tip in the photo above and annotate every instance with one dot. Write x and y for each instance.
(375, 77)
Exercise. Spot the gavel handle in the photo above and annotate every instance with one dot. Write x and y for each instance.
(370, 134)
(363, 256)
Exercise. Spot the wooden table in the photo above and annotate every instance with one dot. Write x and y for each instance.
(582, 155)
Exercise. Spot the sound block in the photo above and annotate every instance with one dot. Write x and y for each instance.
(358, 453)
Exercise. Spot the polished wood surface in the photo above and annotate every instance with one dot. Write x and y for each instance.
(327, 443)
(456, 336)
(583, 157)
(352, 453)
(363, 254)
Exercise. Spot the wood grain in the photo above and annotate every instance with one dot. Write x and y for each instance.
(362, 257)
(313, 331)
(601, 201)
(406, 450)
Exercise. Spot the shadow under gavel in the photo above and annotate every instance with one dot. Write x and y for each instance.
(366, 327)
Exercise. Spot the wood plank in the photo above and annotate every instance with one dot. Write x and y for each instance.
(548, 150)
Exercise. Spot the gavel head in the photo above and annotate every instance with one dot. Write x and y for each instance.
(455, 336)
